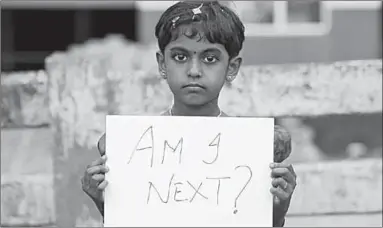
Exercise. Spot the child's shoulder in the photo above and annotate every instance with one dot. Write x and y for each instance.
(282, 143)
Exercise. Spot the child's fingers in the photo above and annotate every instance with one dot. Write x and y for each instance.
(101, 145)
(279, 165)
(283, 172)
(99, 161)
(279, 182)
(278, 192)
(98, 177)
(282, 165)
(103, 185)
(280, 172)
(97, 169)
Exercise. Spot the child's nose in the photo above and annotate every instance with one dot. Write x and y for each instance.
(195, 69)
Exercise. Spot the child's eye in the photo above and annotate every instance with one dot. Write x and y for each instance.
(210, 59)
(180, 57)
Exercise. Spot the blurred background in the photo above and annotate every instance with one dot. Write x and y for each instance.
(300, 31)
(84, 33)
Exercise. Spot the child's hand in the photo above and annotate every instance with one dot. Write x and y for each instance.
(283, 186)
(93, 181)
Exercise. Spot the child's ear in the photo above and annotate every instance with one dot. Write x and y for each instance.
(161, 64)
(233, 68)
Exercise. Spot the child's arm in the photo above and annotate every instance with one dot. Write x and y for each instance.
(284, 177)
(93, 180)
(278, 223)
(100, 207)
(282, 144)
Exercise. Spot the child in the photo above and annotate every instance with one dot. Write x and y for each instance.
(199, 44)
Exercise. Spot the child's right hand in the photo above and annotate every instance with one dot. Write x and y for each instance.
(93, 182)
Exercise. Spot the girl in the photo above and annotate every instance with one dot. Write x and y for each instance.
(199, 45)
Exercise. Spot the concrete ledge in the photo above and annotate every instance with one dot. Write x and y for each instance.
(338, 187)
(307, 89)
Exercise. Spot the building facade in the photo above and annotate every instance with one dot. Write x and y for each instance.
(276, 31)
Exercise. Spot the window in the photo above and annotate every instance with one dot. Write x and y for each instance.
(303, 12)
(30, 34)
(270, 18)
(260, 12)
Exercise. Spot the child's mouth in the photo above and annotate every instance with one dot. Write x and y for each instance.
(194, 86)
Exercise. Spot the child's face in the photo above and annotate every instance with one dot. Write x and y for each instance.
(196, 69)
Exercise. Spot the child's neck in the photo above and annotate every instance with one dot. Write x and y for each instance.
(210, 109)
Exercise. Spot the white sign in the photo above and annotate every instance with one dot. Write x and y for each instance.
(188, 171)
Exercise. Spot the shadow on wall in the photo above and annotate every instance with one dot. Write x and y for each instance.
(334, 137)
(335, 133)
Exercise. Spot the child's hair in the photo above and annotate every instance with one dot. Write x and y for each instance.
(215, 22)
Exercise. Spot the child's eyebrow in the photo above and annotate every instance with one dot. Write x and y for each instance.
(179, 49)
(212, 50)
(186, 50)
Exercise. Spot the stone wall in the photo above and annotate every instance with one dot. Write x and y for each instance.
(24, 100)
(27, 196)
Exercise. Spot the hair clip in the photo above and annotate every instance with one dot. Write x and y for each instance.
(174, 21)
(197, 11)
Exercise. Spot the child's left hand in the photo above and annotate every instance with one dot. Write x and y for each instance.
(283, 185)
